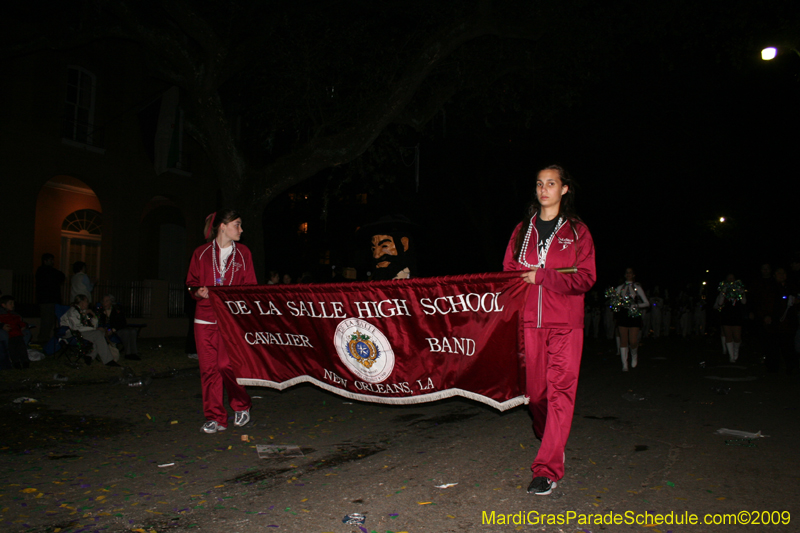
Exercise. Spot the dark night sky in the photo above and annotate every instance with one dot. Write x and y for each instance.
(673, 136)
(660, 155)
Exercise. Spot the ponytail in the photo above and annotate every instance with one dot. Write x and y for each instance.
(215, 219)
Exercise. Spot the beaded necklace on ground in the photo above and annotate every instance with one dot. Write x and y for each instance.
(524, 249)
(219, 273)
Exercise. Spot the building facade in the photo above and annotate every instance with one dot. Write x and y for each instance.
(96, 167)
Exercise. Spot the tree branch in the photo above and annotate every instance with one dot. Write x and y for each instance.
(345, 146)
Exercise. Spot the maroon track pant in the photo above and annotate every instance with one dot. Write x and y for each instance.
(552, 364)
(216, 373)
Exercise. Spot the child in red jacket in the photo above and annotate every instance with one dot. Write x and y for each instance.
(15, 328)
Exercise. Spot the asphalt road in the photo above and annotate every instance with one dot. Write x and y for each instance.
(643, 447)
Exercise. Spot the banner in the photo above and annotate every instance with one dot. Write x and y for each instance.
(392, 342)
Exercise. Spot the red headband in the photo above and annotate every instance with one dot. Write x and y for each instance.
(212, 216)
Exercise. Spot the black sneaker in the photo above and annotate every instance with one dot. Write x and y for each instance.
(541, 486)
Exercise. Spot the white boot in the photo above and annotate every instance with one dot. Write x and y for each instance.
(731, 353)
(634, 357)
(618, 341)
(724, 345)
(623, 352)
(736, 346)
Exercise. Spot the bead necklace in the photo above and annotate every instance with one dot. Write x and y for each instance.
(626, 290)
(523, 251)
(219, 273)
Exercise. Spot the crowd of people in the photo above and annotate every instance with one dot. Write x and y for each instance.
(102, 327)
(760, 312)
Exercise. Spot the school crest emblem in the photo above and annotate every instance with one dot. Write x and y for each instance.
(364, 349)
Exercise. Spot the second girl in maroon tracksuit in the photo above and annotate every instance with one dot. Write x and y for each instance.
(552, 237)
(220, 262)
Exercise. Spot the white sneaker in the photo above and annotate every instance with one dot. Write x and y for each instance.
(242, 418)
(193, 356)
(212, 426)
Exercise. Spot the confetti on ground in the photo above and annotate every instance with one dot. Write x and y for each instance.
(446, 485)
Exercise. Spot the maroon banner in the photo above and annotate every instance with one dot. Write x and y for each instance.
(393, 342)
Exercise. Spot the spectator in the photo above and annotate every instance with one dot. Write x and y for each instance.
(81, 284)
(761, 296)
(286, 279)
(657, 312)
(15, 336)
(80, 318)
(48, 293)
(112, 320)
(273, 278)
(784, 325)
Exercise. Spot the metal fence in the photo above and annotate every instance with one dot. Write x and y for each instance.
(22, 288)
(177, 295)
(135, 297)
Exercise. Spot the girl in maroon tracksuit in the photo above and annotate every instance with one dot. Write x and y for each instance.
(219, 262)
(552, 237)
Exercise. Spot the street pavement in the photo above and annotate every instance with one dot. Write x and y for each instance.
(643, 450)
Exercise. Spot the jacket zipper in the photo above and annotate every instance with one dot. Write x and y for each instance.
(544, 262)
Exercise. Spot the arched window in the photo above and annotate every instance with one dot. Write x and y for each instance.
(84, 221)
(80, 240)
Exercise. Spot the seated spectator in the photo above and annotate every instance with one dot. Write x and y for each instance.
(80, 318)
(112, 320)
(286, 279)
(15, 336)
(273, 278)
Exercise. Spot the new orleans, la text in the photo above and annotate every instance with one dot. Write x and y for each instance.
(402, 387)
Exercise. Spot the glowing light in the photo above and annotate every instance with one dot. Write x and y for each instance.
(704, 283)
(769, 53)
(722, 219)
(706, 271)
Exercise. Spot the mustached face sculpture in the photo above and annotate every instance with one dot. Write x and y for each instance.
(389, 252)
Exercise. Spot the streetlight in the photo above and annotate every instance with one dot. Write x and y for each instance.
(722, 219)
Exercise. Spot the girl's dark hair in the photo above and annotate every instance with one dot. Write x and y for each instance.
(79, 298)
(77, 266)
(215, 219)
(566, 208)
